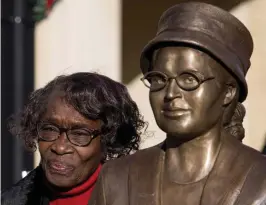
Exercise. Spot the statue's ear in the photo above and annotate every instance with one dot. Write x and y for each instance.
(230, 94)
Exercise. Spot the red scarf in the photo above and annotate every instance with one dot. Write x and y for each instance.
(79, 195)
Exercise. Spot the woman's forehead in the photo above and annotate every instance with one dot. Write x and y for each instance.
(63, 113)
(175, 58)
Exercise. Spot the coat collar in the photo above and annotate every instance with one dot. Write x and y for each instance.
(26, 191)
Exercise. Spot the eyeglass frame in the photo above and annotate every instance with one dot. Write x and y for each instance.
(94, 133)
(199, 76)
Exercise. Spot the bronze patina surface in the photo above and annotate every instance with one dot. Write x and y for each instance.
(195, 68)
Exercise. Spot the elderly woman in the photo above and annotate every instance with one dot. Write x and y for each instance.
(78, 122)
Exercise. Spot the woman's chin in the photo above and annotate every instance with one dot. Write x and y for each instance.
(60, 181)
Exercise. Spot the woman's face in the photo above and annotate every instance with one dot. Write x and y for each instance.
(66, 165)
(182, 112)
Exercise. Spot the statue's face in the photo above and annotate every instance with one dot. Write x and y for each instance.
(191, 102)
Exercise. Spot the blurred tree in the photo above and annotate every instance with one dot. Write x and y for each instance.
(42, 8)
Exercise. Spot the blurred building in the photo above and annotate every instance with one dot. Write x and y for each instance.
(107, 37)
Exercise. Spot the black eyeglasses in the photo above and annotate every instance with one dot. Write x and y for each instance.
(186, 80)
(80, 137)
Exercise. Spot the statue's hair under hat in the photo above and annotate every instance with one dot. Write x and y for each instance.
(211, 29)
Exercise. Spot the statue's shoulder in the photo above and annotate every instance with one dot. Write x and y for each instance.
(254, 188)
(138, 159)
(242, 152)
(118, 176)
(253, 166)
(256, 157)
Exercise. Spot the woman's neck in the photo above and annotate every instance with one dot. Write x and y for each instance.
(191, 161)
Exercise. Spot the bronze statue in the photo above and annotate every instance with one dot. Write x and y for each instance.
(235, 126)
(195, 69)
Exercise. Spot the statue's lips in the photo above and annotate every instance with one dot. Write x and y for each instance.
(174, 112)
(175, 105)
(60, 168)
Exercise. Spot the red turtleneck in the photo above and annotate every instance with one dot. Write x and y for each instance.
(79, 195)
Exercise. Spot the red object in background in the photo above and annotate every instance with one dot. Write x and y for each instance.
(49, 4)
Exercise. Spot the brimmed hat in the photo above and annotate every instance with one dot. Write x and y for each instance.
(209, 28)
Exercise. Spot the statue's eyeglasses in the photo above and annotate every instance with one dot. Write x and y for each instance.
(80, 137)
(186, 80)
